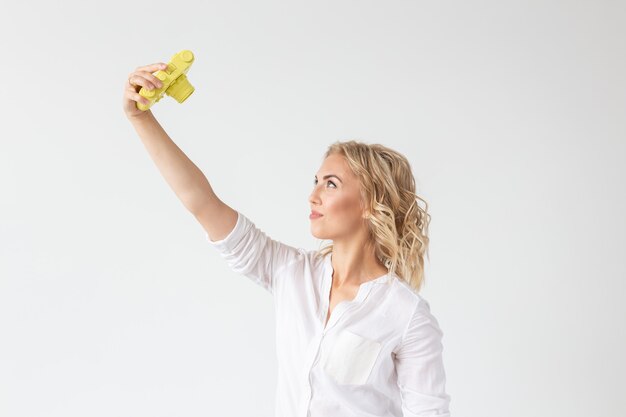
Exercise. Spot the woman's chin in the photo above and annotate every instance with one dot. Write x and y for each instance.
(316, 234)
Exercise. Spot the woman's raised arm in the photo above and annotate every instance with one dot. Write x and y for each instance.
(182, 175)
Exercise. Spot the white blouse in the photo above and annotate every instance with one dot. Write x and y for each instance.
(379, 355)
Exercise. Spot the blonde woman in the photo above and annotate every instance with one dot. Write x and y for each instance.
(354, 336)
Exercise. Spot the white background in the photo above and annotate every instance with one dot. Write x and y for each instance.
(512, 115)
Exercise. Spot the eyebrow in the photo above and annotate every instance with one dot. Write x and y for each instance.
(330, 175)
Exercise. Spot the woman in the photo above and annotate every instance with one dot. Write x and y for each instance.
(354, 336)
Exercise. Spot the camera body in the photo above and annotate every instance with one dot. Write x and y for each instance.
(174, 79)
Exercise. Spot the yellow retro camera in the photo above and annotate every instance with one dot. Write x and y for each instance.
(174, 79)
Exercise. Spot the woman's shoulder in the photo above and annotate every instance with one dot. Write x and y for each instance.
(309, 264)
(407, 296)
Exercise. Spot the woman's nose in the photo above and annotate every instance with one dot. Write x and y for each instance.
(313, 198)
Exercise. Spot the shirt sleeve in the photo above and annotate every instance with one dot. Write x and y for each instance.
(419, 366)
(250, 252)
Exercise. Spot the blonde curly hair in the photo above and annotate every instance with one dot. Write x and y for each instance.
(397, 225)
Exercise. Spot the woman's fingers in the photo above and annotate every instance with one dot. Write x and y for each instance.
(133, 95)
(141, 77)
(132, 90)
(152, 67)
(137, 77)
(144, 79)
(136, 81)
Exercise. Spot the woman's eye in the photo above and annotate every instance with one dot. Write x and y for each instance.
(329, 182)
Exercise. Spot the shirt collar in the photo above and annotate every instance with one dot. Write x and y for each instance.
(379, 280)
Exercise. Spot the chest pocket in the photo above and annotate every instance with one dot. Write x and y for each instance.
(351, 358)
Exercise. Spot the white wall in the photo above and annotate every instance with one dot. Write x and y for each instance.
(511, 113)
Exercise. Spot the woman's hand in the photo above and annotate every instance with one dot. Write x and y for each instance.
(141, 77)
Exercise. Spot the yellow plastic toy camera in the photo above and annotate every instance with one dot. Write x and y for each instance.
(174, 79)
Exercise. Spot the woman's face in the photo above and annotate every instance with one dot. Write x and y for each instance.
(337, 197)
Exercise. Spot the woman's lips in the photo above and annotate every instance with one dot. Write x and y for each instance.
(315, 216)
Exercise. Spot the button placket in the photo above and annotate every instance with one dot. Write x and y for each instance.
(333, 320)
(339, 311)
